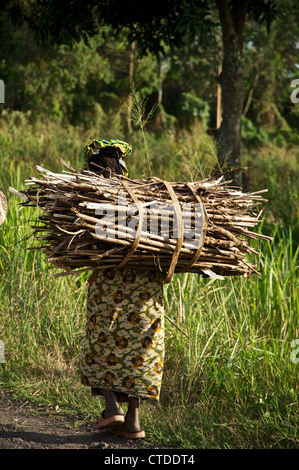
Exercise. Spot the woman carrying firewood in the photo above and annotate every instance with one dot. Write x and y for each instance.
(123, 350)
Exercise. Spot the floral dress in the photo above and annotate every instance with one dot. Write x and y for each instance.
(123, 350)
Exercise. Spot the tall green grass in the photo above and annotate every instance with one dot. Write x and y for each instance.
(230, 354)
(231, 375)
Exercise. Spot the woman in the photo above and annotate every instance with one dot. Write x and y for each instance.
(123, 350)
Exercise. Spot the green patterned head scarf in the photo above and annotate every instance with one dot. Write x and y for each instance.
(122, 150)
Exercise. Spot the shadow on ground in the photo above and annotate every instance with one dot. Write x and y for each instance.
(27, 426)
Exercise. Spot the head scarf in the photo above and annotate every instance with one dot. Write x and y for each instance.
(123, 150)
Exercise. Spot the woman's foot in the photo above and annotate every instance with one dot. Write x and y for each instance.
(112, 415)
(108, 412)
(111, 405)
(130, 428)
(110, 422)
(122, 430)
(131, 423)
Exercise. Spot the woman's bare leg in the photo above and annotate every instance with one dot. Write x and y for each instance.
(131, 423)
(111, 405)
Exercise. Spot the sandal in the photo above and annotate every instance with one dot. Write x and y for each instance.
(104, 423)
(119, 431)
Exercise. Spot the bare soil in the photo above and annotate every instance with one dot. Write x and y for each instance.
(27, 426)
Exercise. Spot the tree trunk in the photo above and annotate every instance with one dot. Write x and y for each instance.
(131, 82)
(250, 94)
(159, 115)
(219, 101)
(160, 80)
(232, 17)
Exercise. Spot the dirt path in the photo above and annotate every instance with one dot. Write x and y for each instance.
(27, 426)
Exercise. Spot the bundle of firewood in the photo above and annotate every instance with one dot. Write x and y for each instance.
(90, 222)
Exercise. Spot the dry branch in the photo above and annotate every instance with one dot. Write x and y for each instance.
(90, 222)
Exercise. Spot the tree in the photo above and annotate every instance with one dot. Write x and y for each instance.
(152, 26)
(232, 16)
(270, 63)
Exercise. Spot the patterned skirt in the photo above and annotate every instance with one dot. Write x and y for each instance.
(123, 349)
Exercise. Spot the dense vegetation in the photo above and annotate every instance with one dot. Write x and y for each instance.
(231, 368)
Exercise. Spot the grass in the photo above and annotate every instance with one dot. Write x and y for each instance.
(235, 370)
(231, 369)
